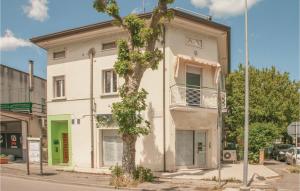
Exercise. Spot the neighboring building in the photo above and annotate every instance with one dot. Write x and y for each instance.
(182, 102)
(18, 107)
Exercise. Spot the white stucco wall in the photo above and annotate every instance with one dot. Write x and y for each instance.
(149, 149)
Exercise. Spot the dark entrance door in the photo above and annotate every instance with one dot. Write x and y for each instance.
(65, 147)
(193, 88)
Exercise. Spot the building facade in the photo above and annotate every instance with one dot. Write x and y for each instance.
(18, 107)
(182, 99)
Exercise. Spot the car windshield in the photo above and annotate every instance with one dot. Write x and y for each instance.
(284, 146)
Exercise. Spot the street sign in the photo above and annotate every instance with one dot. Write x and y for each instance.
(293, 129)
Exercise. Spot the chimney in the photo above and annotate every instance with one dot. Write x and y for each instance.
(31, 83)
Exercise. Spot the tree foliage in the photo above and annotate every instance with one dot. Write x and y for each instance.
(135, 55)
(273, 99)
(261, 135)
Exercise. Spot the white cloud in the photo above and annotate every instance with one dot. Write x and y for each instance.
(224, 8)
(136, 10)
(37, 10)
(10, 42)
(200, 3)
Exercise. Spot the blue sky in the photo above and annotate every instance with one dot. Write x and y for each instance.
(273, 28)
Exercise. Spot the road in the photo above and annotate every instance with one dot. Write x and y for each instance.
(20, 184)
(288, 181)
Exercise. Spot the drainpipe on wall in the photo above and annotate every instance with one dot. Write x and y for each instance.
(164, 97)
(91, 54)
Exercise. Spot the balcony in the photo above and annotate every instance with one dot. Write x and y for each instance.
(188, 98)
(24, 107)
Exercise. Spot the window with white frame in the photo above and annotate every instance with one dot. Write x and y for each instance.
(59, 87)
(110, 84)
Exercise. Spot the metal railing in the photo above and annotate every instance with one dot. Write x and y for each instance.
(24, 107)
(182, 95)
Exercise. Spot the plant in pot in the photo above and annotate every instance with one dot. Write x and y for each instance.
(3, 159)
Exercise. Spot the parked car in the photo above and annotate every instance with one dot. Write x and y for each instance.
(293, 156)
(280, 150)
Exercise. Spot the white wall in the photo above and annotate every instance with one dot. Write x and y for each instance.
(149, 149)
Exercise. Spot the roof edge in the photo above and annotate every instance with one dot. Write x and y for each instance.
(109, 23)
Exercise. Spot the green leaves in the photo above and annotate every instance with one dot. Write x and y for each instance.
(108, 6)
(274, 98)
(128, 115)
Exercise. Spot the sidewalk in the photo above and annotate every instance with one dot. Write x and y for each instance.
(165, 182)
(228, 172)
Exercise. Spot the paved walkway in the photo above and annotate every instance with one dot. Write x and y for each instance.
(229, 172)
(187, 180)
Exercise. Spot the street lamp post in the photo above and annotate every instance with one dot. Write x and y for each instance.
(246, 128)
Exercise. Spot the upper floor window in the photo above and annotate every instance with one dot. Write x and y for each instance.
(59, 54)
(110, 81)
(59, 87)
(109, 45)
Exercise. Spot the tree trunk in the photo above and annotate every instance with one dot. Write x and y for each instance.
(128, 158)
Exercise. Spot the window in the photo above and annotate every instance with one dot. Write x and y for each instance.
(59, 54)
(59, 87)
(109, 45)
(109, 81)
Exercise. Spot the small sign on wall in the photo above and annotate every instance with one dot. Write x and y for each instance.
(189, 41)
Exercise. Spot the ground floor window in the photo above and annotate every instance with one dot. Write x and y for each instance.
(112, 148)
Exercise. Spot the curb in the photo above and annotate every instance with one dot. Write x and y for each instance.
(70, 183)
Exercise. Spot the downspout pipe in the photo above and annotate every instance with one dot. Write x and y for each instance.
(164, 98)
(91, 54)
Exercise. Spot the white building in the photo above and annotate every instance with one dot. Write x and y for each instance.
(182, 104)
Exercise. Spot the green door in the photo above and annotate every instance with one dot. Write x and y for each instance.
(60, 143)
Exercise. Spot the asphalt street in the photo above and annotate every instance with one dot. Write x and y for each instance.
(288, 181)
(20, 184)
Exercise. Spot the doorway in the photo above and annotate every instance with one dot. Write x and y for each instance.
(193, 84)
(190, 148)
(60, 142)
(112, 148)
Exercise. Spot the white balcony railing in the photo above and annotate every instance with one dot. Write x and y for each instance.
(182, 95)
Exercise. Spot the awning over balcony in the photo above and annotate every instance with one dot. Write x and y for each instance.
(183, 59)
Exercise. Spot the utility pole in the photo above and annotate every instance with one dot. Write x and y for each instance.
(144, 9)
(219, 127)
(246, 128)
(91, 54)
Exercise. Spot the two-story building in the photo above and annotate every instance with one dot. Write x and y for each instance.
(182, 100)
(21, 110)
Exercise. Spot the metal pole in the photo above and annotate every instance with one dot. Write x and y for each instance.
(164, 99)
(41, 146)
(27, 147)
(91, 54)
(219, 128)
(246, 130)
(144, 9)
(296, 141)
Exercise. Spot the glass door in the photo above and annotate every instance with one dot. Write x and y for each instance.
(193, 84)
(200, 148)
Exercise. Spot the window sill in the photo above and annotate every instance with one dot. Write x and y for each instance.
(59, 98)
(115, 94)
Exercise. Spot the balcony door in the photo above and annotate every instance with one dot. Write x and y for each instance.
(193, 84)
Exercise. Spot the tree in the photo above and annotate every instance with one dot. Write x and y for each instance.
(135, 55)
(273, 99)
(261, 135)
